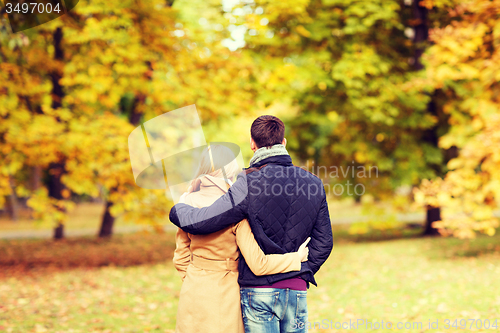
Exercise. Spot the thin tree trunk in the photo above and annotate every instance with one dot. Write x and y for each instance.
(57, 169)
(55, 186)
(35, 181)
(35, 178)
(13, 204)
(108, 220)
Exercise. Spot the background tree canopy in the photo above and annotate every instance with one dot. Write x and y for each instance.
(408, 87)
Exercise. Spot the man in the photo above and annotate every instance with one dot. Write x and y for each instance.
(284, 205)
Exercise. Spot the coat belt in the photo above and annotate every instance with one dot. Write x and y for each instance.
(214, 265)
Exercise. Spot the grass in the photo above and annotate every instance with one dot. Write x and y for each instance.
(128, 284)
(111, 299)
(125, 284)
(410, 280)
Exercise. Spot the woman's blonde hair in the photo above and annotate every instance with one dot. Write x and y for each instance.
(216, 158)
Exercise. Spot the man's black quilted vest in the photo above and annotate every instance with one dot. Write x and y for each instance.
(284, 201)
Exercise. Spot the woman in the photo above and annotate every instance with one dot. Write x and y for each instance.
(208, 264)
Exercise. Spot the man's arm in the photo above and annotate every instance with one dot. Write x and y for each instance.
(231, 208)
(321, 243)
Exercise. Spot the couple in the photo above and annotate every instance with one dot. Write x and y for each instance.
(245, 242)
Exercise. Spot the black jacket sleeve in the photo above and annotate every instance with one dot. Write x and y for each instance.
(321, 243)
(231, 208)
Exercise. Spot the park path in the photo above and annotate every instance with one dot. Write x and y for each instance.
(41, 234)
(48, 233)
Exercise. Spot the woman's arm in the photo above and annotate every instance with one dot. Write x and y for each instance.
(182, 253)
(259, 263)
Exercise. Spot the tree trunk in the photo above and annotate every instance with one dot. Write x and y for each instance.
(57, 169)
(13, 204)
(421, 36)
(59, 231)
(35, 178)
(108, 220)
(421, 32)
(433, 214)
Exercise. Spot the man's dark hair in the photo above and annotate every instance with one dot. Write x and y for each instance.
(267, 131)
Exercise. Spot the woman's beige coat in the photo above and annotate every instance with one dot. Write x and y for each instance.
(210, 295)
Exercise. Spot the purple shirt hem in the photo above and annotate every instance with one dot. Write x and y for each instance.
(293, 283)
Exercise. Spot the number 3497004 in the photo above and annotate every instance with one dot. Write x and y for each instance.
(32, 8)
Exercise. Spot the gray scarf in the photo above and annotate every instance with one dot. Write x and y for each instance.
(266, 152)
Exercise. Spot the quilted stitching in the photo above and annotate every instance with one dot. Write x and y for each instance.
(281, 221)
(283, 218)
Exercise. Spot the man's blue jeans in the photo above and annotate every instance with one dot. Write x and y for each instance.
(272, 310)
